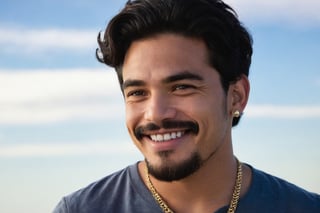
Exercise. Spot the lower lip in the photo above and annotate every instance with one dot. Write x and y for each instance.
(166, 145)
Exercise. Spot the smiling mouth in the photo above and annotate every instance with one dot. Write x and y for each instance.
(166, 136)
(170, 130)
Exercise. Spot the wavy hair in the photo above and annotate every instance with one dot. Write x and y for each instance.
(216, 23)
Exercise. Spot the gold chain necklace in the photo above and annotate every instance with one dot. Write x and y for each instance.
(233, 203)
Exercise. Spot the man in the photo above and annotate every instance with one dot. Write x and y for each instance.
(183, 69)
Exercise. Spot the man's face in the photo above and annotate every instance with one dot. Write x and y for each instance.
(176, 110)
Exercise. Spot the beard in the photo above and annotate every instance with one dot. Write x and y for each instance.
(169, 171)
(173, 172)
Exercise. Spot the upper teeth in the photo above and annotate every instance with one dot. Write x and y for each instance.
(166, 136)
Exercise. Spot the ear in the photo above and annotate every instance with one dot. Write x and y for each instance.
(239, 93)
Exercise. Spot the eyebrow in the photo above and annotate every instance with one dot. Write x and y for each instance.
(184, 75)
(132, 83)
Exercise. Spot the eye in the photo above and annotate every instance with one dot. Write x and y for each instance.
(182, 87)
(136, 93)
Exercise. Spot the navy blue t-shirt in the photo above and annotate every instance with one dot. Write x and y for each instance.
(124, 192)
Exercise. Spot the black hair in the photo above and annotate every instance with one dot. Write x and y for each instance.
(216, 23)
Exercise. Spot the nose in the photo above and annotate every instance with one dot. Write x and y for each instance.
(159, 108)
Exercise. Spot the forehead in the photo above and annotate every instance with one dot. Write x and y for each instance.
(163, 55)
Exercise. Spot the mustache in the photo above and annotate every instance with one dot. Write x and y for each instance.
(191, 126)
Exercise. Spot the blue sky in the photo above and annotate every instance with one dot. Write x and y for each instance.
(62, 114)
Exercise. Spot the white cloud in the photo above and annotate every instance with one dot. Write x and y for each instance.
(25, 40)
(26, 86)
(283, 112)
(45, 96)
(65, 149)
(292, 12)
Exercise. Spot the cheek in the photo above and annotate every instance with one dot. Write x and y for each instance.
(210, 113)
(133, 116)
(200, 109)
(130, 117)
(131, 122)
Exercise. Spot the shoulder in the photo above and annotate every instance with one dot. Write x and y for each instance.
(115, 192)
(113, 184)
(278, 195)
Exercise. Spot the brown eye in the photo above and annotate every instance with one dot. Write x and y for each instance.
(136, 93)
(182, 87)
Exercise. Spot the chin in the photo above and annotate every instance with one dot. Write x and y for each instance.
(169, 171)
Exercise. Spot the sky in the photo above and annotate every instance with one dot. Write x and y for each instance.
(62, 121)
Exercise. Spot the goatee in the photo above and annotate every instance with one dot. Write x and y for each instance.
(173, 172)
